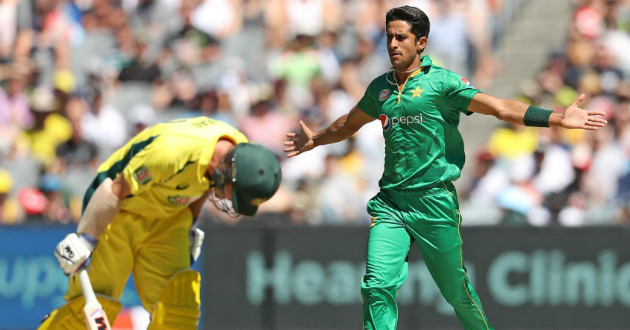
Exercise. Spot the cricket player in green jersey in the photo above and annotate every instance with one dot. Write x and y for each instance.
(419, 106)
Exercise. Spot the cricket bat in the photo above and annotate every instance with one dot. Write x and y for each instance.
(95, 317)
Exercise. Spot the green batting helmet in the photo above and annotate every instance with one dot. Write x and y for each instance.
(257, 176)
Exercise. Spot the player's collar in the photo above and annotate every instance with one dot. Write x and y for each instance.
(425, 62)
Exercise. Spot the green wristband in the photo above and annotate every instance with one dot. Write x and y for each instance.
(537, 117)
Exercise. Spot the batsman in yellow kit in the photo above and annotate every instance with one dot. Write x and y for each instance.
(140, 215)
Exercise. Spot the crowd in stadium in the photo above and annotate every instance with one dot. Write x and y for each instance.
(80, 77)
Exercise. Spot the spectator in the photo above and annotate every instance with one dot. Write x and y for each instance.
(77, 152)
(34, 203)
(574, 214)
(15, 115)
(337, 196)
(49, 129)
(299, 66)
(104, 125)
(16, 36)
(486, 181)
(607, 166)
(512, 141)
(369, 63)
(141, 117)
(265, 125)
(218, 18)
(10, 211)
(14, 110)
(140, 68)
(520, 201)
(154, 17)
(56, 209)
(190, 45)
(179, 93)
(308, 59)
(329, 60)
(216, 106)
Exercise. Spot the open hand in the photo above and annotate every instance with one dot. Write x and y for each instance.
(298, 143)
(575, 117)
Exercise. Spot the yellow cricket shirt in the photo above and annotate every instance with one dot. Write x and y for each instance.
(165, 165)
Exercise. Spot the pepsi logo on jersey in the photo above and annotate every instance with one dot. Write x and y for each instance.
(388, 123)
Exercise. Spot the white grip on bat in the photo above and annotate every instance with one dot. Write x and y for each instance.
(86, 286)
(95, 317)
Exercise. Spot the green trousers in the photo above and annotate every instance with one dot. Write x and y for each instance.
(431, 218)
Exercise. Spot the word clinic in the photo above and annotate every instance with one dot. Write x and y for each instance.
(547, 278)
(513, 278)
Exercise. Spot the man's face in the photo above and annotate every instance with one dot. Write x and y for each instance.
(221, 196)
(402, 45)
(224, 192)
(223, 185)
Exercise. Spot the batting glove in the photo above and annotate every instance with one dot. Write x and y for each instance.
(74, 252)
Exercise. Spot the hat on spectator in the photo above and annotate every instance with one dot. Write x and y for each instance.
(565, 96)
(142, 36)
(42, 100)
(590, 83)
(6, 182)
(64, 81)
(484, 155)
(50, 183)
(142, 114)
(603, 103)
(33, 201)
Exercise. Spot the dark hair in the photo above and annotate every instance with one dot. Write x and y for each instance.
(420, 25)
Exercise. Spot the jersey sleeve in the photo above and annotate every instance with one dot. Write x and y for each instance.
(458, 92)
(368, 104)
(151, 165)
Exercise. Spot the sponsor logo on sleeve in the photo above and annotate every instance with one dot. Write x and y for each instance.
(384, 94)
(180, 200)
(466, 82)
(142, 175)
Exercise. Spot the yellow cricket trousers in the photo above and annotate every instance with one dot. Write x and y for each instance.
(154, 250)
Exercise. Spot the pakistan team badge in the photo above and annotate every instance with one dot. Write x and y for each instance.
(142, 175)
(384, 94)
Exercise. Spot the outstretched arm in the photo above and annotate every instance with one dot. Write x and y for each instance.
(516, 112)
(339, 130)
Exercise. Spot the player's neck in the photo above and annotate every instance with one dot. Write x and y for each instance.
(404, 73)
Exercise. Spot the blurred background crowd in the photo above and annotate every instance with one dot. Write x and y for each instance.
(80, 77)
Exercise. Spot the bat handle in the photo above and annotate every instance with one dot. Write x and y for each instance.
(86, 285)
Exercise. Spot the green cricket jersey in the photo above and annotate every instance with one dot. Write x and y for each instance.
(423, 146)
